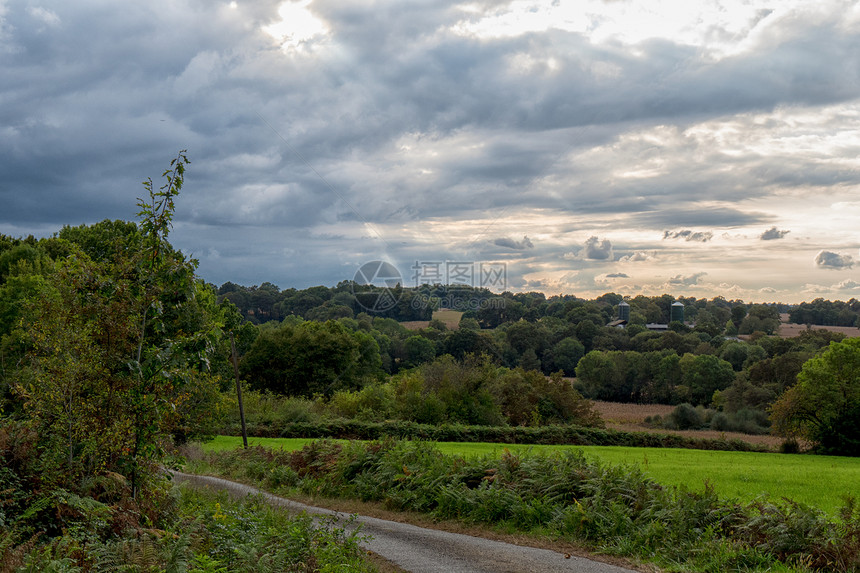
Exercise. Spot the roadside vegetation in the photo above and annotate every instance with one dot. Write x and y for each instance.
(824, 482)
(614, 509)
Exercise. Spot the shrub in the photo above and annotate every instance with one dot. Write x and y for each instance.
(686, 417)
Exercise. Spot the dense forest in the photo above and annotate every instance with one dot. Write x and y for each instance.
(724, 357)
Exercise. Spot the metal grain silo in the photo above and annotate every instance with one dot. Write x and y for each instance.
(676, 312)
(623, 311)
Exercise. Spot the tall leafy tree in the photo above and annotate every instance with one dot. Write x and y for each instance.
(824, 406)
(119, 348)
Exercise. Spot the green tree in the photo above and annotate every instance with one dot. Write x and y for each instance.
(739, 312)
(824, 406)
(601, 375)
(418, 350)
(566, 355)
(529, 360)
(735, 353)
(119, 349)
(704, 375)
(311, 357)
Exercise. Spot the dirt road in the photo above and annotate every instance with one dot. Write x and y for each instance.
(422, 550)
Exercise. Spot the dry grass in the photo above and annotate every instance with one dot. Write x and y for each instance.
(451, 318)
(631, 418)
(790, 330)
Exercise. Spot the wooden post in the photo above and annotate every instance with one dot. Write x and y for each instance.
(238, 390)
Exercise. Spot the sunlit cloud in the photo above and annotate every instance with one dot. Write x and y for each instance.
(298, 26)
(721, 29)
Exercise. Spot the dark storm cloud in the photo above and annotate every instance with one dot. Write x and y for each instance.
(515, 245)
(773, 233)
(831, 260)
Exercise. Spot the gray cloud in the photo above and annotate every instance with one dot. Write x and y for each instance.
(686, 280)
(396, 119)
(696, 216)
(847, 284)
(831, 260)
(598, 250)
(515, 245)
(617, 276)
(688, 235)
(773, 233)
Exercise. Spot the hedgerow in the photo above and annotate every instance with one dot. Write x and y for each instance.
(553, 434)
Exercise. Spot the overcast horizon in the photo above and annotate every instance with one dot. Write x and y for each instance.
(695, 148)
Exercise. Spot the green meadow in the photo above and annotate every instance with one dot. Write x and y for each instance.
(819, 481)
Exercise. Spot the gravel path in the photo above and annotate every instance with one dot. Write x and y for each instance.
(422, 550)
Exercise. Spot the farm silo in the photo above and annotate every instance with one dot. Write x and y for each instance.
(676, 312)
(623, 311)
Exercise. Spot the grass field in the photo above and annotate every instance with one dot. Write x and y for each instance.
(820, 481)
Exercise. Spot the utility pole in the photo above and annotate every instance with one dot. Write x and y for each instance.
(238, 390)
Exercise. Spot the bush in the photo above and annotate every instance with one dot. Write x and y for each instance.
(686, 417)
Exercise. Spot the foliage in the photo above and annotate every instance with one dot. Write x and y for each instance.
(203, 532)
(825, 312)
(614, 508)
(311, 357)
(687, 417)
(113, 336)
(824, 405)
(658, 376)
(251, 536)
(548, 434)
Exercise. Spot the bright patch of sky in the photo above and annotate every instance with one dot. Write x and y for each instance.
(298, 26)
(722, 28)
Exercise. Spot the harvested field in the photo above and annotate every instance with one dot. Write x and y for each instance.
(451, 318)
(790, 330)
(631, 418)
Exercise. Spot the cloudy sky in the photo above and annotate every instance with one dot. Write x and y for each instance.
(690, 147)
